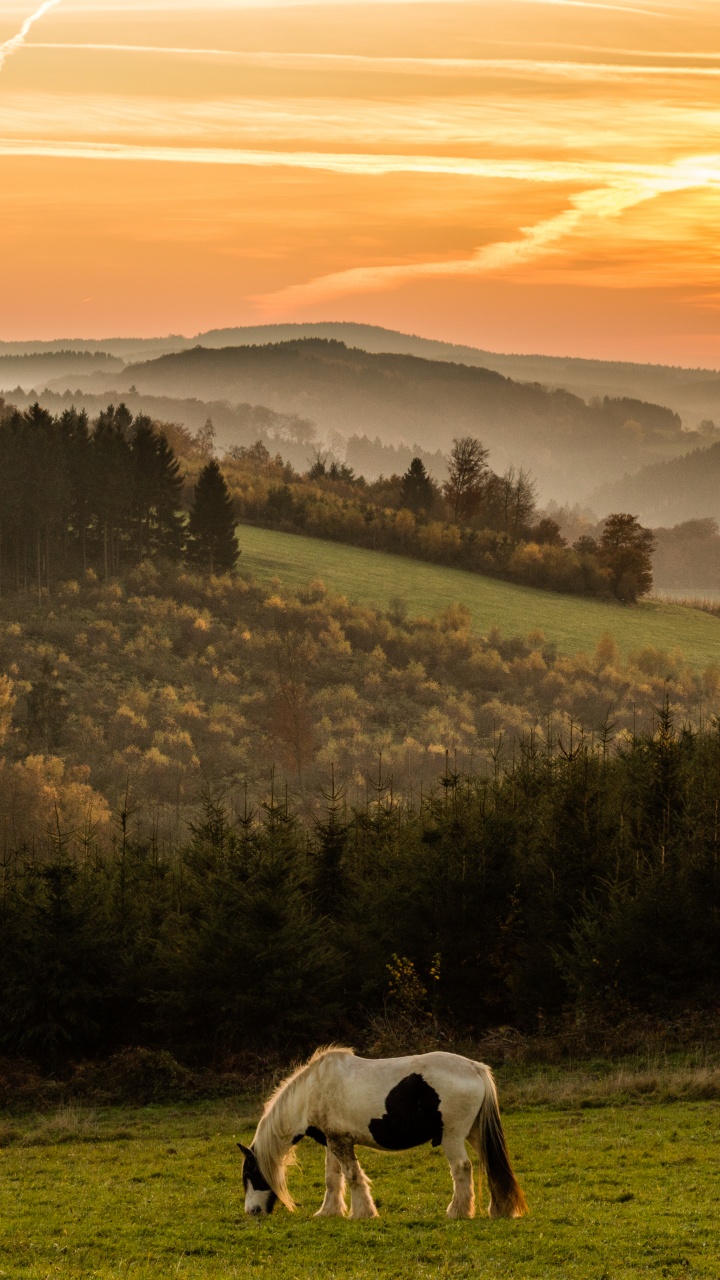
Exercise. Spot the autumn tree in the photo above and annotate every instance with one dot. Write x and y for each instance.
(625, 551)
(213, 544)
(468, 469)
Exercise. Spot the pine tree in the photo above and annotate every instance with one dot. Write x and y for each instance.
(76, 435)
(157, 493)
(111, 485)
(213, 544)
(418, 491)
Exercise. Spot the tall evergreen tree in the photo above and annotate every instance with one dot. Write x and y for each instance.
(75, 430)
(213, 544)
(157, 493)
(111, 472)
(418, 490)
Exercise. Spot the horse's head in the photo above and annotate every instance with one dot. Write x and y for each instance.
(259, 1196)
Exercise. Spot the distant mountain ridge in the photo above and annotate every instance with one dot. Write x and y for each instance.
(693, 393)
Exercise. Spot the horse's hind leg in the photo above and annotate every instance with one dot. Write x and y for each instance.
(462, 1204)
(361, 1201)
(333, 1205)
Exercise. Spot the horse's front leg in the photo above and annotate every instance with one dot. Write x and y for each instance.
(462, 1204)
(361, 1201)
(333, 1205)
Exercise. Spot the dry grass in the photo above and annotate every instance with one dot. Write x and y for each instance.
(67, 1124)
(709, 604)
(583, 1088)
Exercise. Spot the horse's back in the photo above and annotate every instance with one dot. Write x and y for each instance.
(451, 1070)
(397, 1103)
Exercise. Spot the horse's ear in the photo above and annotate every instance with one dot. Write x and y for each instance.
(245, 1150)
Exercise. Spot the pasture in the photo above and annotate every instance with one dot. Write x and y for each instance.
(615, 1192)
(376, 578)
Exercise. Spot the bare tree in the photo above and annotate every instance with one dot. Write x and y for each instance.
(468, 469)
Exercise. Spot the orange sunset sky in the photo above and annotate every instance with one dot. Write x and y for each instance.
(519, 175)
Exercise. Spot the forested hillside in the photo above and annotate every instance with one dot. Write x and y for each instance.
(243, 425)
(557, 435)
(684, 488)
(376, 406)
(383, 781)
(203, 777)
(693, 393)
(36, 369)
(136, 695)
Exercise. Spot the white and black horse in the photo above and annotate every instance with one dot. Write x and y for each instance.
(389, 1104)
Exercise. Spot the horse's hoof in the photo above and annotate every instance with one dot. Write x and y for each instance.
(455, 1213)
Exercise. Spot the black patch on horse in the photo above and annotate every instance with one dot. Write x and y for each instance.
(317, 1135)
(412, 1116)
(252, 1173)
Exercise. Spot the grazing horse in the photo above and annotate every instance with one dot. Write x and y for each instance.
(388, 1104)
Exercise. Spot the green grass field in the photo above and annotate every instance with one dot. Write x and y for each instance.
(374, 577)
(617, 1192)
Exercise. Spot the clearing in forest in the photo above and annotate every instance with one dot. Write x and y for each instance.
(574, 623)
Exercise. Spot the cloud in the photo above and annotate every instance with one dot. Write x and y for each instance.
(361, 163)
(521, 67)
(15, 42)
(467, 122)
(651, 10)
(538, 241)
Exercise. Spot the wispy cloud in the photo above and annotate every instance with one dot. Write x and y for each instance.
(15, 42)
(662, 64)
(651, 10)
(365, 163)
(620, 194)
(473, 124)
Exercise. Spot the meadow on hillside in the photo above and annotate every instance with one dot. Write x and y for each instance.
(573, 624)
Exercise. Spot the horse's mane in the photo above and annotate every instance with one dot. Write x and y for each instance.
(272, 1145)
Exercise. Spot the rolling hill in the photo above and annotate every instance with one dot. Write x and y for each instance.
(39, 368)
(693, 393)
(378, 579)
(667, 493)
(400, 398)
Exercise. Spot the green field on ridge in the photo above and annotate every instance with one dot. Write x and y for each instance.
(575, 624)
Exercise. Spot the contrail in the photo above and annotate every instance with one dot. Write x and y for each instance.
(15, 42)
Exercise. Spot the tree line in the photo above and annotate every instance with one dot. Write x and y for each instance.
(109, 493)
(101, 495)
(476, 520)
(572, 878)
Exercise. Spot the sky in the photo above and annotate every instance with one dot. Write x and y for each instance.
(513, 174)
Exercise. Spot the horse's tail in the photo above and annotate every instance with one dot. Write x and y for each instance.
(488, 1138)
